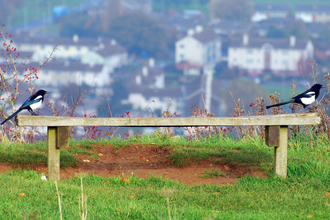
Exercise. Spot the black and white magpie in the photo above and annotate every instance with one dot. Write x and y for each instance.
(306, 98)
(33, 102)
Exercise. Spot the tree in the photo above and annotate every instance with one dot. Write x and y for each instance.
(236, 10)
(298, 29)
(221, 70)
(7, 8)
(275, 32)
(142, 35)
(112, 10)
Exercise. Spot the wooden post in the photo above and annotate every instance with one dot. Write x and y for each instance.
(53, 155)
(281, 153)
(62, 137)
(272, 135)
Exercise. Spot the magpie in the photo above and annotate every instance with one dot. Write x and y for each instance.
(306, 98)
(33, 102)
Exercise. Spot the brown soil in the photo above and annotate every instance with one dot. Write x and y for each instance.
(143, 161)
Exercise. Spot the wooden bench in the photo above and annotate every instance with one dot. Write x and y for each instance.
(276, 131)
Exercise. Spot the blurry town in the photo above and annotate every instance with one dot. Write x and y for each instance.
(145, 56)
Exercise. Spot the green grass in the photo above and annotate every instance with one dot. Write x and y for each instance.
(213, 173)
(302, 194)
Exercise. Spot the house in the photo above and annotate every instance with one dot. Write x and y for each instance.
(200, 47)
(266, 12)
(112, 55)
(280, 56)
(57, 73)
(264, 26)
(312, 13)
(66, 48)
(147, 86)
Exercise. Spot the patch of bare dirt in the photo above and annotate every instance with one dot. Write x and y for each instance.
(143, 161)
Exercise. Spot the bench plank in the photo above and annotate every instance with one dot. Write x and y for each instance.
(267, 120)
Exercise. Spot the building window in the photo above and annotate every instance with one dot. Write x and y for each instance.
(285, 62)
(234, 60)
(249, 61)
(182, 56)
(249, 51)
(285, 52)
(182, 45)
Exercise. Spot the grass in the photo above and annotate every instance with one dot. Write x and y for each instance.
(302, 195)
(213, 173)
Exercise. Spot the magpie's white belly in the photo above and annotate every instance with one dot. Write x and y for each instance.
(307, 101)
(36, 105)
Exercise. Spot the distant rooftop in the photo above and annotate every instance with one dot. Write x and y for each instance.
(270, 8)
(275, 42)
(307, 8)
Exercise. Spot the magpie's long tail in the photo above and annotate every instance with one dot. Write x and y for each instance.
(279, 104)
(13, 115)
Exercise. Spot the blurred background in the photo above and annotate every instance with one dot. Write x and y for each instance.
(141, 57)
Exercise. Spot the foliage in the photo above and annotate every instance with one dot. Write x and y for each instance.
(275, 32)
(213, 173)
(221, 71)
(142, 35)
(14, 80)
(237, 10)
(298, 29)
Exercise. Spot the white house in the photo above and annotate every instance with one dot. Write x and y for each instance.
(266, 12)
(312, 13)
(74, 48)
(200, 47)
(56, 73)
(146, 86)
(276, 55)
(112, 55)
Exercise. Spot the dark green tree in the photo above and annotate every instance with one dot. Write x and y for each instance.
(221, 71)
(275, 32)
(142, 35)
(236, 10)
(298, 29)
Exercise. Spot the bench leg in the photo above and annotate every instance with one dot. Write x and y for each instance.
(281, 153)
(53, 155)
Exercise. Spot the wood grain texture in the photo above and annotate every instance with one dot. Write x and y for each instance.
(281, 154)
(53, 155)
(272, 134)
(62, 137)
(284, 119)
